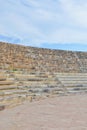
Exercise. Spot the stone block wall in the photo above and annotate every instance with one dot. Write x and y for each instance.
(13, 57)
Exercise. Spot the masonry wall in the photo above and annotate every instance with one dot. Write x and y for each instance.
(17, 57)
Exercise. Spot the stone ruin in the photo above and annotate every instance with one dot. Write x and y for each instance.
(29, 73)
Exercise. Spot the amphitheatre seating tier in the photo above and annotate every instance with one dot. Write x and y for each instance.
(28, 73)
(17, 57)
(49, 84)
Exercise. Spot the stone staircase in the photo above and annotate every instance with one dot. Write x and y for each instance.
(7, 84)
(16, 87)
(29, 73)
(74, 82)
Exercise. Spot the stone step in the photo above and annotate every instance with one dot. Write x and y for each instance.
(37, 83)
(22, 76)
(74, 82)
(31, 79)
(16, 98)
(6, 87)
(11, 101)
(74, 91)
(77, 88)
(2, 78)
(12, 92)
(6, 82)
(18, 87)
(45, 89)
(11, 98)
(70, 74)
(38, 86)
(18, 92)
(73, 78)
(30, 75)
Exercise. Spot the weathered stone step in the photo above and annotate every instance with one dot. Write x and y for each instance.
(45, 89)
(6, 87)
(12, 92)
(12, 98)
(74, 91)
(70, 74)
(6, 82)
(27, 87)
(73, 78)
(29, 75)
(2, 78)
(33, 78)
(35, 84)
(73, 82)
(77, 88)
(11, 101)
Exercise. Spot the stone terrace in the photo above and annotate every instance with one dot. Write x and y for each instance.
(28, 73)
(16, 57)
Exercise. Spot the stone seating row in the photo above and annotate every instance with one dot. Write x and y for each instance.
(16, 88)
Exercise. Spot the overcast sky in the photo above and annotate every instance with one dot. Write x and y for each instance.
(45, 23)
